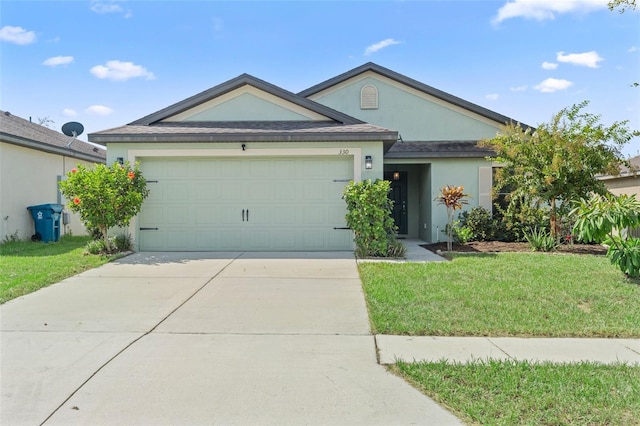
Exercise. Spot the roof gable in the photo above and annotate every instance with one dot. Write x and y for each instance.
(409, 82)
(230, 101)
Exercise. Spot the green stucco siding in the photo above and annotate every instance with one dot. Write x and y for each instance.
(415, 117)
(247, 107)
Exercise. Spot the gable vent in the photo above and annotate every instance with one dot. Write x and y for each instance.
(369, 97)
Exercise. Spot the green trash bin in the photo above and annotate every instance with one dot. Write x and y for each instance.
(46, 218)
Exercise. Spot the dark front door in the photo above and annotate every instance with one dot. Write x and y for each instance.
(398, 194)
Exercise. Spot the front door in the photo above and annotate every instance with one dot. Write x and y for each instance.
(398, 194)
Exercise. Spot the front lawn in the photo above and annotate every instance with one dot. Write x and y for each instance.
(505, 294)
(522, 393)
(27, 266)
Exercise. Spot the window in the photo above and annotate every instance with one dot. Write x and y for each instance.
(369, 97)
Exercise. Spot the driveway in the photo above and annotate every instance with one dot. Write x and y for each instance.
(202, 338)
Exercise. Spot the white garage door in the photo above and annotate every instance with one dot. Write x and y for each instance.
(248, 203)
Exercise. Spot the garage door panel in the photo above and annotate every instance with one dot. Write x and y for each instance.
(294, 203)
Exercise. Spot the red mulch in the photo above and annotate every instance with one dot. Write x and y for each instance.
(500, 246)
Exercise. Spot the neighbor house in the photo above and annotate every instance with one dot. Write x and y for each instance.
(247, 165)
(33, 159)
(627, 182)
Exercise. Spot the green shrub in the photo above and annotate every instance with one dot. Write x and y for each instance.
(480, 223)
(123, 242)
(369, 216)
(541, 240)
(520, 217)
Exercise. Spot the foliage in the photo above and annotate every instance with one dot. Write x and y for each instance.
(559, 161)
(461, 234)
(622, 4)
(105, 196)
(541, 240)
(453, 198)
(600, 216)
(369, 212)
(11, 238)
(519, 216)
(480, 224)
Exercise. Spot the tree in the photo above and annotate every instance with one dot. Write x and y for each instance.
(452, 197)
(622, 4)
(105, 196)
(559, 161)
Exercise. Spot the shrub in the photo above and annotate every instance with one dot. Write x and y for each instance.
(369, 216)
(480, 223)
(123, 242)
(599, 217)
(452, 197)
(518, 218)
(541, 240)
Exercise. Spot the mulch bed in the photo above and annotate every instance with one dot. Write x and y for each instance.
(500, 247)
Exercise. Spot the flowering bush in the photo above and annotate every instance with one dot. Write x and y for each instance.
(105, 196)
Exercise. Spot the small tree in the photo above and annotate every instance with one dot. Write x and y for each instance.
(453, 197)
(105, 196)
(558, 162)
(606, 219)
(369, 216)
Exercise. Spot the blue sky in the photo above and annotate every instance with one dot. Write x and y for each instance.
(107, 63)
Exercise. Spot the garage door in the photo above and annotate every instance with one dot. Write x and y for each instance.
(245, 204)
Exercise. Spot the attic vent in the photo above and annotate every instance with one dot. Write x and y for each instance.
(369, 97)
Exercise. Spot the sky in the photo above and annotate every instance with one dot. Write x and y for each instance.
(107, 63)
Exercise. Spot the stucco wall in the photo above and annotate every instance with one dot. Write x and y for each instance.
(414, 114)
(626, 185)
(30, 177)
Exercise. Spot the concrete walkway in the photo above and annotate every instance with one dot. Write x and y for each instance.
(466, 349)
(202, 338)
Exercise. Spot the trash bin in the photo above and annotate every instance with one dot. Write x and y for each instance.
(47, 222)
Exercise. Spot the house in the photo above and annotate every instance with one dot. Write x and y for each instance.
(247, 165)
(33, 159)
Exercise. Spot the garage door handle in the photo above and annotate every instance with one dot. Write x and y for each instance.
(243, 215)
(247, 215)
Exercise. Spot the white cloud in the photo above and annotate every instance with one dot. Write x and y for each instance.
(58, 60)
(541, 10)
(99, 110)
(17, 35)
(492, 96)
(549, 65)
(109, 6)
(551, 85)
(121, 71)
(519, 89)
(380, 45)
(586, 59)
(69, 112)
(633, 49)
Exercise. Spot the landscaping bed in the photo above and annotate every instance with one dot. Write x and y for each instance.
(503, 247)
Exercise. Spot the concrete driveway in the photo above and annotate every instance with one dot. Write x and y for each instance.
(202, 338)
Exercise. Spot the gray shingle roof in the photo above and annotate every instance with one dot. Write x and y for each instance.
(18, 131)
(245, 131)
(438, 149)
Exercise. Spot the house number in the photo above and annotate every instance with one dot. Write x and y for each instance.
(343, 152)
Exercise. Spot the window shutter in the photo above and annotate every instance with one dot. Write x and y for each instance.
(485, 184)
(369, 97)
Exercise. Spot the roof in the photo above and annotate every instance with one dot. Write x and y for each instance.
(438, 149)
(625, 171)
(370, 66)
(241, 80)
(246, 131)
(18, 131)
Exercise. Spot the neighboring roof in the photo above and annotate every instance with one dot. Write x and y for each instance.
(370, 66)
(626, 171)
(18, 131)
(245, 79)
(438, 149)
(246, 131)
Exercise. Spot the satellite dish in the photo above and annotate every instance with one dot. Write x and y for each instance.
(72, 129)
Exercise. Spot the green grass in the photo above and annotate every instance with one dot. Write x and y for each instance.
(508, 294)
(521, 393)
(27, 266)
